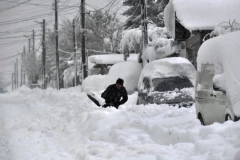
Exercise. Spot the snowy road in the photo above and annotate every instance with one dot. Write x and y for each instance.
(66, 125)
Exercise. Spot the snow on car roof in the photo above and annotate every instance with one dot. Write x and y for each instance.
(111, 58)
(203, 14)
(224, 52)
(168, 67)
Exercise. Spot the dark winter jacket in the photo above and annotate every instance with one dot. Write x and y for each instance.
(113, 95)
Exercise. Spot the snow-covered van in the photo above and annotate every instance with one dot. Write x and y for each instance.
(217, 89)
(167, 81)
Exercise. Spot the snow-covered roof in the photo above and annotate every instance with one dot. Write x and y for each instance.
(202, 14)
(111, 58)
(168, 67)
(223, 51)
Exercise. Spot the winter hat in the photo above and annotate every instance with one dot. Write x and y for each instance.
(120, 81)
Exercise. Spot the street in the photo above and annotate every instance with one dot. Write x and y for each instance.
(66, 125)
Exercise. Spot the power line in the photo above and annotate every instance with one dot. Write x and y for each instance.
(13, 6)
(35, 4)
(9, 57)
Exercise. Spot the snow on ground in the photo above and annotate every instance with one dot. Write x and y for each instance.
(66, 125)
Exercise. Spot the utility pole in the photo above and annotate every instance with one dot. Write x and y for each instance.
(21, 82)
(14, 76)
(33, 47)
(83, 39)
(29, 45)
(24, 53)
(44, 54)
(12, 81)
(75, 54)
(56, 36)
(144, 28)
(17, 72)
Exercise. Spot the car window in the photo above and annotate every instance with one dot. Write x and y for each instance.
(171, 83)
(146, 83)
(205, 76)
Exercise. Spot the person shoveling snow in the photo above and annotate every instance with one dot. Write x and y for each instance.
(115, 95)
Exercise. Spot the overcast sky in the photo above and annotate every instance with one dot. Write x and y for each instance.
(18, 19)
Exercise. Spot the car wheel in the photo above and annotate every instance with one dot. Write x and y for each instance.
(228, 117)
(201, 119)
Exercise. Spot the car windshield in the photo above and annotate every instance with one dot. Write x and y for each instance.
(170, 83)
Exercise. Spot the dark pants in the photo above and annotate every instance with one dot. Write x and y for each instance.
(109, 104)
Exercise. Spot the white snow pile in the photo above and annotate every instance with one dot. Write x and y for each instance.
(200, 15)
(65, 125)
(94, 83)
(223, 51)
(168, 67)
(128, 71)
(111, 58)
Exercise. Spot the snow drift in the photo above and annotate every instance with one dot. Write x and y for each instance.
(65, 125)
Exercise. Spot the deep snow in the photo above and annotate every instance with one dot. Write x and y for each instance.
(66, 125)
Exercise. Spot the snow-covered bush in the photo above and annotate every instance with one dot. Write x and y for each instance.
(157, 40)
(223, 28)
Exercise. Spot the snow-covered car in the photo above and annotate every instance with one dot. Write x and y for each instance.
(34, 86)
(217, 92)
(167, 81)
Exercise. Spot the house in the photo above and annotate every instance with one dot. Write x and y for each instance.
(189, 21)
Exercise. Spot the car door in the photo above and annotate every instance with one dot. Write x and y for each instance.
(221, 104)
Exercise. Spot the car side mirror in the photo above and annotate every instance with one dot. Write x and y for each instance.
(215, 88)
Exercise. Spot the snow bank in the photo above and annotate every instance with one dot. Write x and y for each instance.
(200, 15)
(128, 71)
(94, 83)
(223, 51)
(111, 58)
(66, 125)
(168, 67)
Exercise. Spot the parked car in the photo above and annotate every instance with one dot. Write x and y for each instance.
(34, 86)
(167, 81)
(216, 78)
